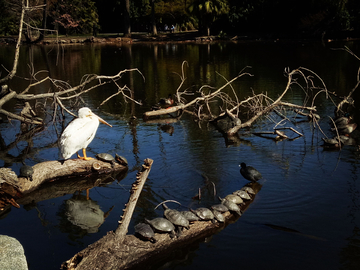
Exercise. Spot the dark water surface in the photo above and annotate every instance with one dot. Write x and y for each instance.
(306, 215)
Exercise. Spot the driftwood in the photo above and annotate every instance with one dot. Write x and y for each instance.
(119, 251)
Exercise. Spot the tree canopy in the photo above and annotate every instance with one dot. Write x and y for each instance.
(298, 18)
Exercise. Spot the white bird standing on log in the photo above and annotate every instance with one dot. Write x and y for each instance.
(79, 133)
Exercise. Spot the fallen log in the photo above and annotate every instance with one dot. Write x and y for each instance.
(129, 252)
(56, 170)
(16, 190)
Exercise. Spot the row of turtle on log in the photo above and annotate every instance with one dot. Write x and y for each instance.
(174, 221)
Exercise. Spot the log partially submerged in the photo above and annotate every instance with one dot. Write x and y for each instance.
(119, 251)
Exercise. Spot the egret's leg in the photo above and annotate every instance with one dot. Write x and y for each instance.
(85, 157)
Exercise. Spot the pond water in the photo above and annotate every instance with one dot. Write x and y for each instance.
(306, 215)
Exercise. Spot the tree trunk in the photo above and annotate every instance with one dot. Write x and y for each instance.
(42, 32)
(154, 30)
(127, 25)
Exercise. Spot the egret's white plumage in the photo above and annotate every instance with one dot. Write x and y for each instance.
(79, 133)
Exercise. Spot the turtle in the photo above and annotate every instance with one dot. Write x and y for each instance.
(342, 120)
(234, 198)
(231, 206)
(121, 160)
(144, 231)
(204, 214)
(106, 158)
(27, 172)
(242, 194)
(176, 218)
(219, 207)
(162, 225)
(250, 173)
(249, 190)
(334, 142)
(190, 216)
(346, 129)
(218, 216)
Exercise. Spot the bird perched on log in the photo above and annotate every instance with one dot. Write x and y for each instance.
(79, 133)
(166, 102)
(250, 173)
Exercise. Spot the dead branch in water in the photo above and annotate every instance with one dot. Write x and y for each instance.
(257, 105)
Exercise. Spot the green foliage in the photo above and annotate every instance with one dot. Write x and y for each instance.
(9, 24)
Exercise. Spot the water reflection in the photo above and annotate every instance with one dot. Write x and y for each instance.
(307, 189)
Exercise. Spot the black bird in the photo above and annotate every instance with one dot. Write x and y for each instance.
(249, 173)
(166, 102)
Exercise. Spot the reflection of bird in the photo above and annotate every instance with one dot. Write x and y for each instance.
(79, 133)
(249, 173)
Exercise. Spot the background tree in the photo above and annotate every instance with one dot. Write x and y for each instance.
(127, 25)
(207, 11)
(76, 16)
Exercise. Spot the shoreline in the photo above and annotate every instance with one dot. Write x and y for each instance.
(181, 37)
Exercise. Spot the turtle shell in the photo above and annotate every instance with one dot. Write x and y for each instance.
(105, 157)
(234, 198)
(26, 171)
(248, 190)
(176, 218)
(218, 216)
(220, 208)
(190, 216)
(204, 213)
(145, 232)
(242, 194)
(231, 206)
(162, 225)
(121, 160)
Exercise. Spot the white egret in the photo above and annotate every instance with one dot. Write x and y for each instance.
(79, 133)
